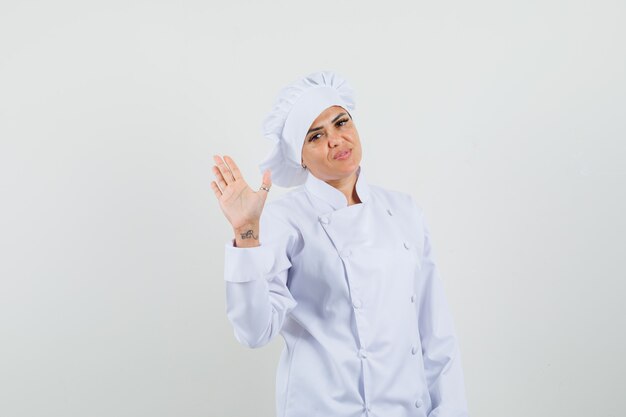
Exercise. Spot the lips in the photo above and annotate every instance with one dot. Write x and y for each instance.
(341, 155)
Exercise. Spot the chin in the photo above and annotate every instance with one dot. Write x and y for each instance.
(347, 171)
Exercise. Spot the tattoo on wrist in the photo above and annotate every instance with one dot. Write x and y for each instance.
(249, 235)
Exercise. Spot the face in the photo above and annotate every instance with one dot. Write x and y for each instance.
(332, 148)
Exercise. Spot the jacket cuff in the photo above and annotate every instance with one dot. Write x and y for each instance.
(246, 264)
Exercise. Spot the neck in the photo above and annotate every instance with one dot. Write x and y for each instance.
(348, 187)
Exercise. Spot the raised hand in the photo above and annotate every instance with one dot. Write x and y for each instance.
(241, 205)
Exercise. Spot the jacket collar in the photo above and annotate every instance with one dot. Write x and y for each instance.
(332, 196)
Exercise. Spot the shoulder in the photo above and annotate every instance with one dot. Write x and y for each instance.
(287, 205)
(398, 201)
(280, 215)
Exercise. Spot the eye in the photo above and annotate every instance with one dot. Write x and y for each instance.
(315, 137)
(341, 122)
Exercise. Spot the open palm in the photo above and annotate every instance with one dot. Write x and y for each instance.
(241, 204)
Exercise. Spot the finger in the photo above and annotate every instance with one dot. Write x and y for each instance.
(226, 174)
(216, 189)
(233, 167)
(267, 183)
(219, 178)
(267, 178)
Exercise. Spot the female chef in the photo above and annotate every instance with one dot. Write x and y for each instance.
(342, 269)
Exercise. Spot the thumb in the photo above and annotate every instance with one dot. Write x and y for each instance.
(267, 183)
(267, 178)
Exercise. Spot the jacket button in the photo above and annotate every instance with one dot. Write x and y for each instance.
(413, 297)
(362, 353)
(418, 403)
(357, 303)
(389, 212)
(407, 245)
(324, 220)
(413, 350)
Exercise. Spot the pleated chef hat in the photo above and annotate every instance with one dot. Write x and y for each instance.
(295, 108)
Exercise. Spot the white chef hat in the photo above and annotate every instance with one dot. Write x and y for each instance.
(295, 108)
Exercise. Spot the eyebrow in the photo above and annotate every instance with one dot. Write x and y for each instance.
(320, 127)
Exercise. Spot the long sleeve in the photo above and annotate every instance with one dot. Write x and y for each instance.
(440, 349)
(257, 297)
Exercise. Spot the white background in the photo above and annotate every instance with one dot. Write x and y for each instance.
(506, 120)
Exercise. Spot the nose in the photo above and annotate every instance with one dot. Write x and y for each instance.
(334, 139)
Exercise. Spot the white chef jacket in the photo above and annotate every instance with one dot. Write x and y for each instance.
(356, 296)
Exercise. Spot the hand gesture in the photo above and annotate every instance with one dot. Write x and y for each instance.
(241, 205)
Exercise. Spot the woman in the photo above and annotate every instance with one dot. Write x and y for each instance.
(343, 270)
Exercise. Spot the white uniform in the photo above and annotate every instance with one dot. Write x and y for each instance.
(356, 295)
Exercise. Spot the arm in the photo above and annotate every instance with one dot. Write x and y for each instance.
(257, 297)
(440, 349)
